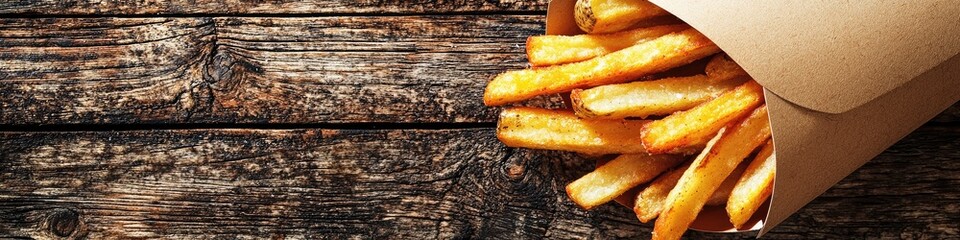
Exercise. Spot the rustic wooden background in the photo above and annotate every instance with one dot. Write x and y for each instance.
(333, 119)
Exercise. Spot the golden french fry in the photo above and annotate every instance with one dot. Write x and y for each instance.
(720, 196)
(645, 98)
(548, 50)
(722, 68)
(604, 16)
(617, 176)
(708, 171)
(754, 187)
(650, 201)
(665, 52)
(694, 126)
(562, 130)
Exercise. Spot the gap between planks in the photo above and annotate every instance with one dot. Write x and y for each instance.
(278, 15)
(929, 126)
(267, 126)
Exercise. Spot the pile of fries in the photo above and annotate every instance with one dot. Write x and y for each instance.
(684, 140)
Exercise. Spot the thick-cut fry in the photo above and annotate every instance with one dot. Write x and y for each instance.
(650, 201)
(645, 98)
(604, 16)
(617, 176)
(692, 127)
(562, 130)
(548, 50)
(754, 187)
(665, 52)
(722, 68)
(720, 196)
(708, 171)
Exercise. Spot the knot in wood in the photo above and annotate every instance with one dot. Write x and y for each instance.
(63, 222)
(225, 70)
(515, 171)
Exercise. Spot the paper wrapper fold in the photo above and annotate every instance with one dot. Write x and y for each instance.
(844, 80)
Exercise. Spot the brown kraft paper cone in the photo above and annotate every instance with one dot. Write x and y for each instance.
(843, 80)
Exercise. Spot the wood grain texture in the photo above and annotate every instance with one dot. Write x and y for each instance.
(127, 7)
(98, 70)
(256, 70)
(430, 184)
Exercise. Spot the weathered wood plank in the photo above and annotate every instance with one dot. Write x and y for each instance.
(126, 7)
(406, 69)
(256, 70)
(398, 184)
(93, 70)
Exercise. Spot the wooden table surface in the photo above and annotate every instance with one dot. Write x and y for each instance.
(334, 119)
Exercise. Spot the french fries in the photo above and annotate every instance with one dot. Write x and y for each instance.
(753, 188)
(603, 16)
(549, 50)
(650, 201)
(720, 196)
(617, 176)
(665, 52)
(692, 127)
(646, 98)
(711, 109)
(562, 130)
(708, 171)
(721, 68)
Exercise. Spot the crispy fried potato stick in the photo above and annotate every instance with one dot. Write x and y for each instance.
(604, 16)
(754, 187)
(548, 50)
(719, 197)
(721, 68)
(562, 130)
(617, 176)
(645, 98)
(650, 201)
(708, 171)
(665, 52)
(694, 126)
